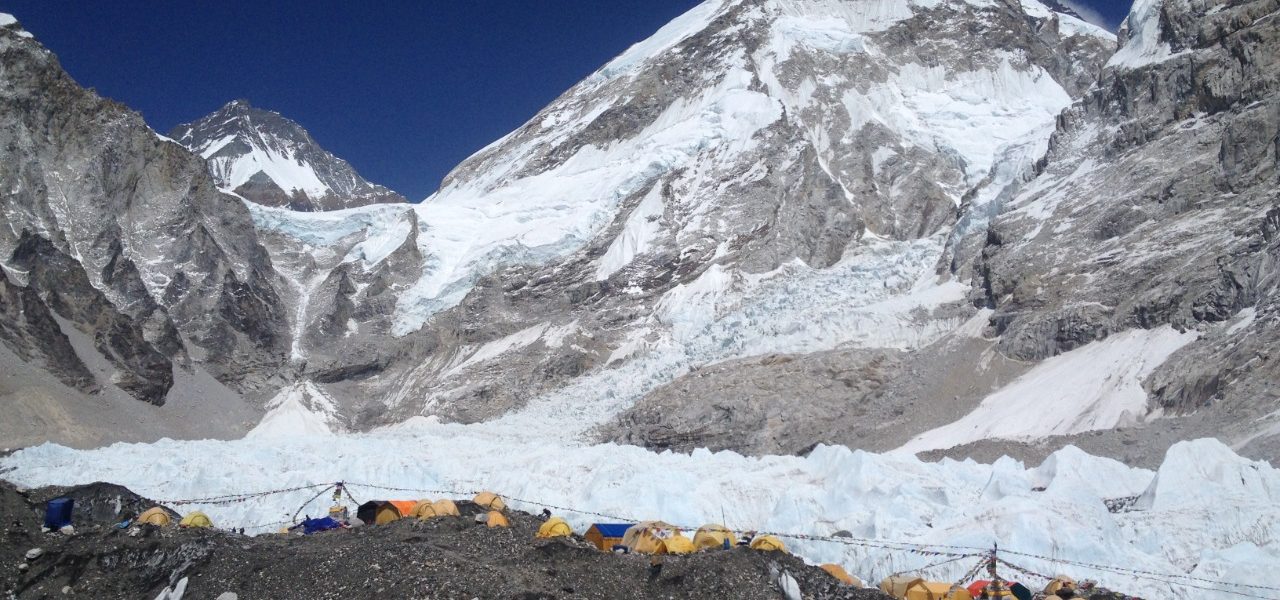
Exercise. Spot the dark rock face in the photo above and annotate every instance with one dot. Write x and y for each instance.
(122, 236)
(247, 137)
(1164, 215)
(30, 330)
(142, 365)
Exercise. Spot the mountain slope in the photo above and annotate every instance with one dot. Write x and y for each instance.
(273, 161)
(126, 274)
(758, 177)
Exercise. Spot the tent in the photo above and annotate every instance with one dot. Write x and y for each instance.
(1058, 583)
(155, 516)
(677, 544)
(768, 543)
(490, 501)
(1006, 589)
(311, 526)
(648, 537)
(915, 588)
(497, 519)
(57, 513)
(445, 508)
(422, 510)
(555, 527)
(606, 535)
(841, 575)
(196, 519)
(381, 512)
(714, 537)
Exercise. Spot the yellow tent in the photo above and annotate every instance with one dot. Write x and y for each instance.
(649, 537)
(841, 575)
(915, 588)
(445, 508)
(422, 510)
(1058, 583)
(490, 501)
(713, 537)
(497, 519)
(195, 519)
(155, 516)
(677, 544)
(768, 543)
(555, 527)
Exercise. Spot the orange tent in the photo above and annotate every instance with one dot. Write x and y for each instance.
(405, 507)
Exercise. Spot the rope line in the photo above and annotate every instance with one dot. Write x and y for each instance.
(1137, 572)
(1026, 571)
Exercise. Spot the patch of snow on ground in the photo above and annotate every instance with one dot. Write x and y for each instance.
(637, 235)
(301, 409)
(278, 164)
(501, 346)
(1096, 386)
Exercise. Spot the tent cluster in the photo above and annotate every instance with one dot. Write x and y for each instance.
(161, 517)
(915, 588)
(658, 537)
(381, 512)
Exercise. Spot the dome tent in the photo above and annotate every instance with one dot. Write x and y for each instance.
(650, 537)
(555, 527)
(713, 537)
(768, 543)
(490, 501)
(841, 575)
(155, 516)
(381, 512)
(445, 507)
(196, 519)
(423, 510)
(497, 519)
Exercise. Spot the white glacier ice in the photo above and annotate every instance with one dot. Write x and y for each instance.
(1208, 513)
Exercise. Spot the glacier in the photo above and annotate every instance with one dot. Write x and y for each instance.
(1206, 513)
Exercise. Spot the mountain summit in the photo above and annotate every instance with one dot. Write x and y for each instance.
(271, 160)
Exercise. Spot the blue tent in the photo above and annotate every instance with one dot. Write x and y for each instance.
(311, 526)
(613, 530)
(57, 513)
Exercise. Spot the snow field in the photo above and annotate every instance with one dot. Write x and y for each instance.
(1097, 386)
(1203, 509)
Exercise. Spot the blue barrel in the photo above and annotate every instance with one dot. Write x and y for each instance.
(57, 513)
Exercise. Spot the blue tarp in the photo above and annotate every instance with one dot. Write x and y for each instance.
(311, 526)
(613, 530)
(57, 513)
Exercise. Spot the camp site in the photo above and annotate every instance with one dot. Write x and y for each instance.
(476, 534)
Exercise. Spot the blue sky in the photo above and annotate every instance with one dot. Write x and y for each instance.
(403, 90)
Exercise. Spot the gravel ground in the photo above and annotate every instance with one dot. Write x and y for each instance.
(451, 557)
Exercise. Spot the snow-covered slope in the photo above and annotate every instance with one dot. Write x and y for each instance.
(271, 160)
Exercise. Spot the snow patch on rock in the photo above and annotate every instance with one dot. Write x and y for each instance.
(1097, 386)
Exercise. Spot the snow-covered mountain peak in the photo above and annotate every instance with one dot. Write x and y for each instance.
(271, 160)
